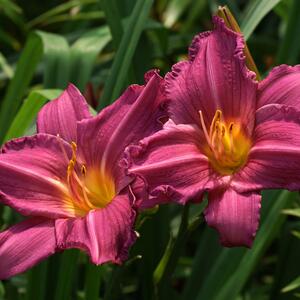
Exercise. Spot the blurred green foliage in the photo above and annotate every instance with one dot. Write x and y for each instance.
(102, 46)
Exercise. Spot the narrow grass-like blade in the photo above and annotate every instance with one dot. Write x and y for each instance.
(243, 261)
(93, 279)
(84, 53)
(28, 111)
(56, 55)
(36, 286)
(57, 10)
(255, 12)
(26, 66)
(289, 47)
(7, 69)
(113, 19)
(57, 60)
(66, 275)
(174, 10)
(124, 55)
(292, 286)
(286, 268)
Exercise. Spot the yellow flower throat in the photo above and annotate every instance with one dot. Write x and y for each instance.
(88, 189)
(227, 146)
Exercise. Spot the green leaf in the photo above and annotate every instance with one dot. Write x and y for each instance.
(113, 18)
(66, 274)
(292, 286)
(124, 55)
(174, 10)
(93, 280)
(36, 286)
(194, 13)
(57, 60)
(289, 47)
(93, 15)
(27, 63)
(12, 11)
(292, 212)
(234, 266)
(7, 69)
(58, 10)
(7, 39)
(286, 256)
(255, 12)
(2, 290)
(28, 111)
(84, 53)
(56, 71)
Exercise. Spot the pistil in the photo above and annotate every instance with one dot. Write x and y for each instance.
(227, 145)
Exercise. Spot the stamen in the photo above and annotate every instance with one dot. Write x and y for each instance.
(83, 187)
(83, 170)
(70, 169)
(204, 129)
(230, 129)
(86, 198)
(74, 148)
(223, 151)
(223, 130)
(217, 118)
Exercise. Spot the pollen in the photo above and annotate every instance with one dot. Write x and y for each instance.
(227, 145)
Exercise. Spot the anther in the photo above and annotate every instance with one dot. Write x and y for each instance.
(230, 129)
(216, 118)
(83, 170)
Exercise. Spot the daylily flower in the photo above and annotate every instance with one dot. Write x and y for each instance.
(228, 135)
(68, 179)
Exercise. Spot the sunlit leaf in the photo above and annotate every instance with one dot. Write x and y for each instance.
(292, 286)
(124, 55)
(255, 12)
(28, 111)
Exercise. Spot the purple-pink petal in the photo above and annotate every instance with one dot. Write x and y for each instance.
(25, 244)
(172, 165)
(235, 216)
(274, 159)
(31, 172)
(137, 113)
(60, 116)
(105, 234)
(215, 77)
(282, 86)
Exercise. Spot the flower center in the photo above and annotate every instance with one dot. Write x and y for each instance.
(227, 146)
(88, 189)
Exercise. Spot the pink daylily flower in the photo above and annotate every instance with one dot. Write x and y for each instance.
(228, 135)
(69, 182)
